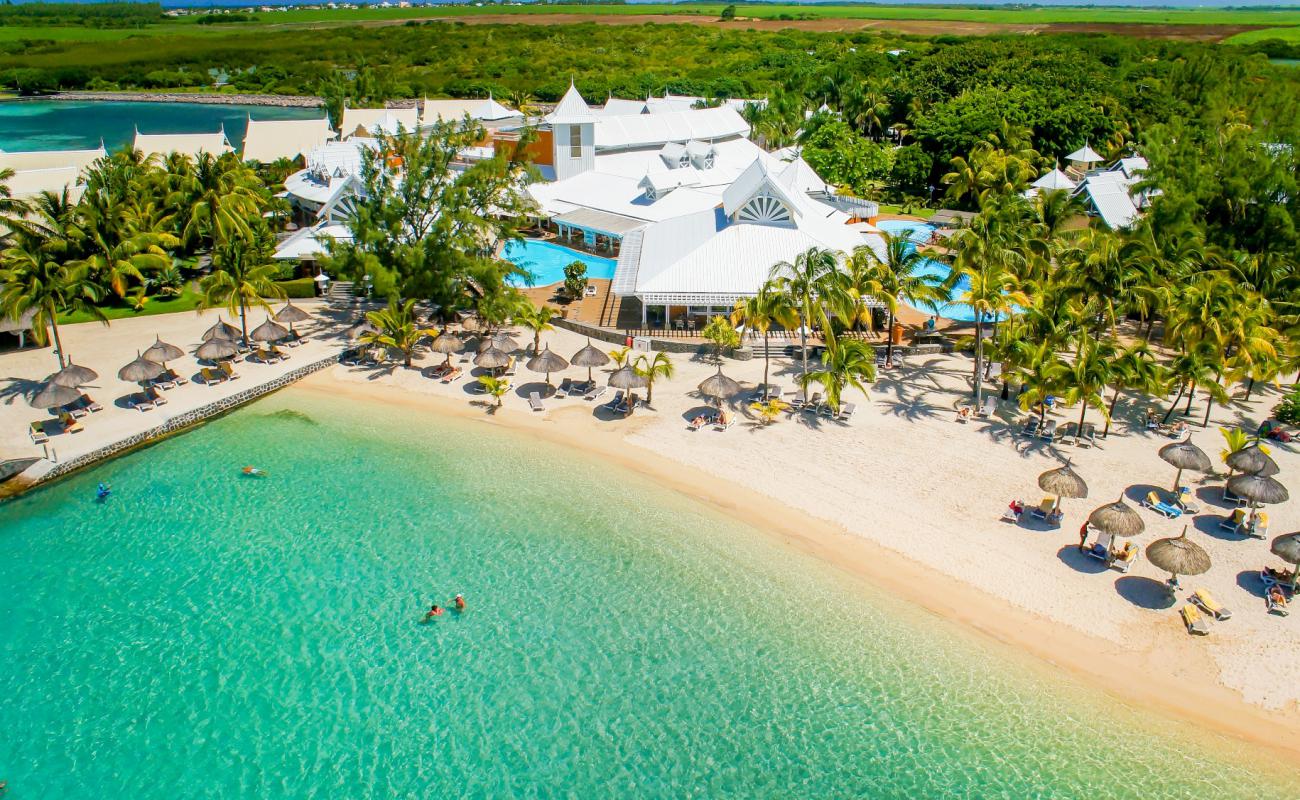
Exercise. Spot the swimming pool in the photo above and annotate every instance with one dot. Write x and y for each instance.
(545, 262)
(921, 232)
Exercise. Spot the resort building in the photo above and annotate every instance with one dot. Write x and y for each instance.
(269, 140)
(190, 144)
(489, 112)
(374, 121)
(49, 171)
(1111, 194)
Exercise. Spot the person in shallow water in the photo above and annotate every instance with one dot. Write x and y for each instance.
(103, 491)
(254, 472)
(459, 602)
(434, 611)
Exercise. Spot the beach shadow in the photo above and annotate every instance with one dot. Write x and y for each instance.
(1213, 496)
(1145, 592)
(695, 411)
(1208, 524)
(1250, 581)
(1137, 493)
(18, 388)
(525, 389)
(1081, 562)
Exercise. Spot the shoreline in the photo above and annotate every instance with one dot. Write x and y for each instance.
(1171, 688)
(270, 100)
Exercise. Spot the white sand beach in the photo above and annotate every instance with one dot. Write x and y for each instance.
(902, 494)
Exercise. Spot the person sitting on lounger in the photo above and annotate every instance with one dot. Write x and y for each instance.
(1055, 516)
(1276, 596)
(1017, 508)
(964, 413)
(1179, 428)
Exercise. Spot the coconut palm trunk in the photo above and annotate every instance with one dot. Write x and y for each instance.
(1181, 388)
(979, 359)
(767, 355)
(52, 313)
(243, 319)
(889, 338)
(1110, 413)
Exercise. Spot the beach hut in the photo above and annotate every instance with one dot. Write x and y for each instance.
(140, 371)
(718, 386)
(1287, 548)
(162, 352)
(1185, 455)
(1252, 460)
(222, 329)
(73, 376)
(590, 357)
(1063, 482)
(269, 331)
(548, 362)
(447, 344)
(1178, 556)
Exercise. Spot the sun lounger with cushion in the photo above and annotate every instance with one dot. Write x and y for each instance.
(37, 432)
(140, 402)
(1275, 599)
(846, 412)
(451, 375)
(278, 353)
(229, 370)
(617, 402)
(1153, 502)
(1029, 427)
(702, 420)
(1125, 557)
(155, 396)
(535, 402)
(566, 386)
(595, 392)
(1214, 608)
(164, 381)
(1100, 549)
(1184, 501)
(90, 405)
(70, 424)
(211, 377)
(989, 406)
(1195, 623)
(1044, 508)
(1257, 526)
(75, 409)
(1233, 521)
(1048, 433)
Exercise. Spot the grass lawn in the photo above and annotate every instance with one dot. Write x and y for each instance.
(187, 301)
(1285, 34)
(914, 211)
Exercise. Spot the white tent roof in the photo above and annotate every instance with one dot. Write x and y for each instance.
(190, 144)
(571, 109)
(488, 110)
(310, 242)
(1084, 155)
(269, 139)
(1054, 180)
(647, 130)
(29, 183)
(50, 159)
(379, 120)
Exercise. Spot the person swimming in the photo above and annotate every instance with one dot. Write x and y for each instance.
(254, 472)
(434, 611)
(459, 602)
(103, 491)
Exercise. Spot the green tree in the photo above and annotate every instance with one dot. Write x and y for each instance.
(1087, 379)
(396, 329)
(769, 306)
(810, 284)
(845, 364)
(537, 319)
(720, 332)
(494, 387)
(242, 276)
(728, 13)
(1135, 369)
(660, 366)
(216, 198)
(575, 279)
(33, 277)
(896, 275)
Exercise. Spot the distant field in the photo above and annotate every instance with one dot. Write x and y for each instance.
(1285, 34)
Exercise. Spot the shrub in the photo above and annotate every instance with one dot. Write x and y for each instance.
(302, 287)
(1288, 410)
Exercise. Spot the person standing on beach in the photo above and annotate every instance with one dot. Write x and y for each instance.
(1083, 535)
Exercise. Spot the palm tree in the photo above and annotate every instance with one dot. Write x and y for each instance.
(897, 276)
(846, 363)
(984, 260)
(661, 366)
(1198, 366)
(12, 209)
(35, 277)
(536, 319)
(495, 387)
(1053, 208)
(768, 307)
(1135, 368)
(120, 242)
(1042, 373)
(241, 277)
(810, 283)
(218, 198)
(396, 329)
(620, 356)
(1087, 378)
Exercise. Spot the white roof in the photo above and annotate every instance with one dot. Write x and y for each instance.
(615, 106)
(1132, 166)
(27, 183)
(50, 159)
(310, 242)
(647, 130)
(619, 195)
(379, 120)
(1054, 180)
(799, 177)
(672, 179)
(1109, 195)
(486, 110)
(190, 144)
(571, 109)
(1085, 155)
(269, 139)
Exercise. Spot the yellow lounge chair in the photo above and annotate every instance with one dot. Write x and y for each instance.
(1205, 600)
(1195, 623)
(1234, 521)
(38, 434)
(1260, 528)
(1044, 508)
(229, 371)
(212, 377)
(70, 423)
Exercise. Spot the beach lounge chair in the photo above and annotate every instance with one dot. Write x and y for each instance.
(1214, 608)
(964, 414)
(813, 402)
(846, 412)
(566, 386)
(617, 402)
(989, 407)
(1029, 427)
(535, 402)
(796, 401)
(1087, 437)
(595, 393)
(155, 396)
(1125, 557)
(1229, 497)
(265, 356)
(212, 377)
(164, 381)
(179, 380)
(1257, 526)
(1044, 508)
(90, 405)
(1233, 521)
(724, 421)
(702, 420)
(1184, 501)
(37, 432)
(229, 370)
(75, 409)
(1153, 502)
(1270, 576)
(590, 291)
(1100, 549)
(278, 353)
(1048, 433)
(1195, 623)
(1276, 600)
(140, 402)
(70, 424)
(510, 367)
(451, 375)
(350, 358)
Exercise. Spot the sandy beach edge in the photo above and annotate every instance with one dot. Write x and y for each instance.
(1191, 694)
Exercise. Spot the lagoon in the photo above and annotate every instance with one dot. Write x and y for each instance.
(73, 125)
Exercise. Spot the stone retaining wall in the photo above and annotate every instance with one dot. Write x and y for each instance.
(181, 421)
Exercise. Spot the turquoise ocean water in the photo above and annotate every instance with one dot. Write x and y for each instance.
(60, 125)
(203, 634)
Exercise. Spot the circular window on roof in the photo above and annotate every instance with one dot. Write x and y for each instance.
(764, 208)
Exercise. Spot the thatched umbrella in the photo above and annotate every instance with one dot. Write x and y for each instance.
(269, 331)
(162, 352)
(140, 370)
(1258, 489)
(1287, 548)
(53, 395)
(1185, 455)
(589, 357)
(627, 378)
(1063, 482)
(291, 314)
(1117, 519)
(222, 330)
(502, 340)
(718, 386)
(492, 358)
(447, 344)
(1180, 556)
(73, 376)
(215, 349)
(548, 362)
(1252, 460)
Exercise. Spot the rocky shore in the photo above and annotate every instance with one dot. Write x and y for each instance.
(284, 101)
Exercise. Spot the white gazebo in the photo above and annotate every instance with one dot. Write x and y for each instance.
(1081, 160)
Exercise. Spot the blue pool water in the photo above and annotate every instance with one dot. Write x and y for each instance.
(921, 232)
(545, 262)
